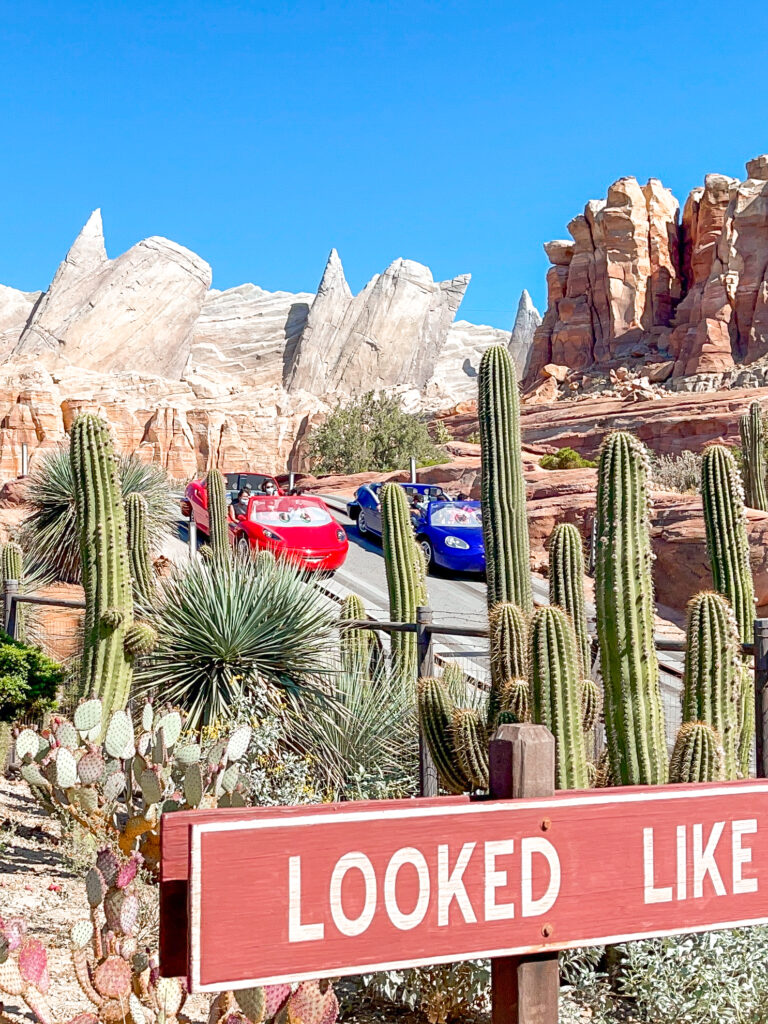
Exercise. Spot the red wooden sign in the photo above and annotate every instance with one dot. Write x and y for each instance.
(345, 889)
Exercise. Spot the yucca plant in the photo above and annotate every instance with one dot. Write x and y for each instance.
(225, 629)
(50, 535)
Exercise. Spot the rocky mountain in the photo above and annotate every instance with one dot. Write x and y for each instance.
(635, 283)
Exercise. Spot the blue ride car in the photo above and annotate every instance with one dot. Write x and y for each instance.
(449, 531)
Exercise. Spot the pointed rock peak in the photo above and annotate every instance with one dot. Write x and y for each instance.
(88, 248)
(525, 305)
(333, 276)
(528, 317)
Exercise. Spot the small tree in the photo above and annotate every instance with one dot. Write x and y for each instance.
(371, 434)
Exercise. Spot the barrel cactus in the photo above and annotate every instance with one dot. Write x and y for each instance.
(218, 528)
(138, 547)
(404, 564)
(508, 631)
(753, 457)
(436, 722)
(556, 700)
(698, 755)
(566, 585)
(505, 526)
(634, 716)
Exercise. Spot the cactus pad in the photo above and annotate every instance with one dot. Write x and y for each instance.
(27, 744)
(187, 753)
(33, 964)
(151, 789)
(90, 768)
(171, 726)
(238, 743)
(113, 787)
(81, 934)
(119, 739)
(147, 717)
(95, 887)
(66, 736)
(193, 785)
(88, 715)
(66, 768)
(128, 871)
(169, 995)
(112, 978)
(253, 1003)
(108, 864)
(33, 776)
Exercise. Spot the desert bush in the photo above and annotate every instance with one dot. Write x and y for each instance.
(443, 992)
(226, 630)
(566, 458)
(680, 473)
(371, 434)
(29, 680)
(49, 533)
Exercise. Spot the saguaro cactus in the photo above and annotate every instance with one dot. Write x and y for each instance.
(12, 567)
(138, 546)
(698, 755)
(509, 651)
(555, 684)
(106, 664)
(356, 644)
(218, 530)
(634, 716)
(753, 451)
(505, 526)
(436, 711)
(405, 573)
(713, 671)
(566, 585)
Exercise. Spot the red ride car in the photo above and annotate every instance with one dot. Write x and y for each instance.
(298, 527)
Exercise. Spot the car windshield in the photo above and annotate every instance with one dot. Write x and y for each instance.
(312, 515)
(456, 514)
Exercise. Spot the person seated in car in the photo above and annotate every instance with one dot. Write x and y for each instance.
(240, 504)
(270, 488)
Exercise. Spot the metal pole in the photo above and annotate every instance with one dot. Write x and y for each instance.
(192, 536)
(524, 989)
(291, 481)
(413, 470)
(10, 589)
(425, 667)
(761, 697)
(24, 458)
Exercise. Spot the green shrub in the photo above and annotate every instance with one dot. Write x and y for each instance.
(371, 434)
(566, 458)
(29, 680)
(681, 473)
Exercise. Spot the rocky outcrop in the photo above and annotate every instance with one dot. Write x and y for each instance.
(634, 286)
(15, 310)
(527, 322)
(391, 333)
(133, 313)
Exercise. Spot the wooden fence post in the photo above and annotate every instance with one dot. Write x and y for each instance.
(761, 697)
(425, 666)
(524, 989)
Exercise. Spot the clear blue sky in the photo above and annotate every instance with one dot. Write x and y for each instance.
(260, 135)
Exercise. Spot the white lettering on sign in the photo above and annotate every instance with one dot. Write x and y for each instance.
(408, 855)
(495, 879)
(349, 925)
(298, 932)
(702, 861)
(451, 887)
(533, 907)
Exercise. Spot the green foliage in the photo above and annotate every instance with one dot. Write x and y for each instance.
(143, 577)
(634, 716)
(440, 433)
(50, 535)
(566, 585)
(406, 574)
(566, 458)
(681, 473)
(502, 485)
(29, 680)
(225, 629)
(371, 434)
(752, 432)
(442, 992)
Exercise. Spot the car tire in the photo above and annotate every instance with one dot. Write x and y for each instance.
(362, 526)
(243, 545)
(428, 550)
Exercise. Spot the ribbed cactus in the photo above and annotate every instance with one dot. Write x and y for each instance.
(591, 704)
(405, 573)
(505, 526)
(713, 673)
(470, 738)
(555, 685)
(138, 547)
(566, 585)
(746, 721)
(436, 710)
(634, 716)
(698, 755)
(727, 543)
(12, 566)
(355, 644)
(106, 666)
(753, 457)
(218, 529)
(508, 631)
(515, 699)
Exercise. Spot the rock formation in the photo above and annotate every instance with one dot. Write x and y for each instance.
(636, 286)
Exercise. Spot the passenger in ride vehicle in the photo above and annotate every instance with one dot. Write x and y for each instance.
(240, 504)
(270, 488)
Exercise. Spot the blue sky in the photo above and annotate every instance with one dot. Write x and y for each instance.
(462, 135)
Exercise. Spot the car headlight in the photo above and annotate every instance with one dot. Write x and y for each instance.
(271, 535)
(456, 542)
(340, 536)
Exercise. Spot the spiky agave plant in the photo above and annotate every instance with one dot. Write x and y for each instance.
(224, 629)
(50, 535)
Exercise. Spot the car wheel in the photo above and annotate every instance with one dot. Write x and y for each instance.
(429, 554)
(361, 523)
(243, 547)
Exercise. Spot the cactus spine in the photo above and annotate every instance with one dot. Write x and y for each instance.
(218, 530)
(405, 573)
(106, 666)
(470, 738)
(12, 565)
(753, 450)
(508, 631)
(698, 755)
(356, 644)
(138, 546)
(566, 585)
(505, 526)
(436, 711)
(555, 683)
(713, 673)
(634, 717)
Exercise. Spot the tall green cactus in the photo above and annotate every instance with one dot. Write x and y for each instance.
(753, 452)
(508, 631)
(698, 755)
(566, 585)
(436, 711)
(555, 683)
(218, 528)
(106, 670)
(634, 716)
(138, 547)
(12, 567)
(470, 738)
(713, 673)
(404, 564)
(505, 526)
(355, 644)
(727, 543)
